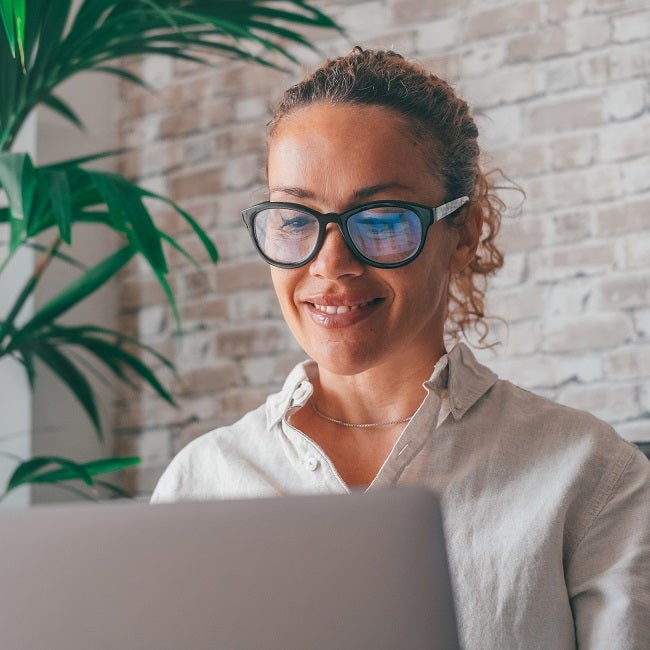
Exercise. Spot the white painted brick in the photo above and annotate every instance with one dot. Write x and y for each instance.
(574, 225)
(625, 140)
(628, 61)
(157, 71)
(610, 402)
(635, 431)
(437, 35)
(644, 397)
(194, 348)
(523, 160)
(633, 26)
(514, 85)
(625, 216)
(243, 171)
(549, 265)
(641, 318)
(587, 33)
(559, 10)
(574, 150)
(251, 109)
(628, 362)
(588, 184)
(154, 448)
(253, 304)
(563, 75)
(540, 194)
(260, 371)
(538, 372)
(410, 11)
(481, 59)
(569, 298)
(363, 17)
(152, 321)
(636, 249)
(520, 338)
(498, 126)
(609, 6)
(636, 178)
(543, 44)
(515, 304)
(198, 149)
(592, 331)
(514, 16)
(594, 69)
(522, 234)
(607, 402)
(623, 290)
(626, 100)
(512, 272)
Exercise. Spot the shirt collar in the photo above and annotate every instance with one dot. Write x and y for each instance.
(458, 372)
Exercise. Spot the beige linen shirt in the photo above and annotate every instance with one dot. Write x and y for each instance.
(546, 509)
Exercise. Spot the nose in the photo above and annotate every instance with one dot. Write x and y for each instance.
(334, 259)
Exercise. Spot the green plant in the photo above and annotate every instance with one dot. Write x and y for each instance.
(42, 44)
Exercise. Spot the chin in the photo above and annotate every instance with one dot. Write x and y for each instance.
(339, 361)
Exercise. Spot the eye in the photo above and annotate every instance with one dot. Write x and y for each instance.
(297, 222)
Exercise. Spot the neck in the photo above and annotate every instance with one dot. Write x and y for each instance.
(380, 394)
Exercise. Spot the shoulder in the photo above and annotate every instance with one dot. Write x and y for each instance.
(532, 431)
(583, 458)
(193, 472)
(499, 407)
(211, 462)
(532, 415)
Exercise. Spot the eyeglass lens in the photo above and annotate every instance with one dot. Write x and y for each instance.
(386, 235)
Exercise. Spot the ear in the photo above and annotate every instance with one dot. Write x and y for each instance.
(469, 235)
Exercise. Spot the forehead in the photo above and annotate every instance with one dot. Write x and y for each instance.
(348, 145)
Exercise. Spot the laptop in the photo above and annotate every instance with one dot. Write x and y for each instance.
(364, 570)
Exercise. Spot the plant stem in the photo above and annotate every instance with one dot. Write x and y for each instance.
(28, 289)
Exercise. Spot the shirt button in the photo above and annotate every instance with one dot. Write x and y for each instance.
(311, 463)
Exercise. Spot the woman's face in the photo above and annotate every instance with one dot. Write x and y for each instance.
(332, 158)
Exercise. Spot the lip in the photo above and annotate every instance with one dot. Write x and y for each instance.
(341, 310)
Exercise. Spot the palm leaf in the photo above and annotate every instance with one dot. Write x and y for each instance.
(56, 470)
(12, 14)
(76, 291)
(61, 203)
(59, 106)
(114, 356)
(126, 207)
(76, 381)
(103, 31)
(18, 179)
(73, 471)
(120, 337)
(202, 235)
(29, 471)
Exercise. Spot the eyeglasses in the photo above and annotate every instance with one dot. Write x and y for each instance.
(384, 234)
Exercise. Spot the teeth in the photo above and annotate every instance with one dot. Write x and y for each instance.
(340, 309)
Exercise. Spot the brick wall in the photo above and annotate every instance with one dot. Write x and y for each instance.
(561, 94)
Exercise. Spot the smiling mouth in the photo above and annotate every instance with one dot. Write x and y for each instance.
(342, 309)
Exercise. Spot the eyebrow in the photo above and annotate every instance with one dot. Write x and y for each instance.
(360, 194)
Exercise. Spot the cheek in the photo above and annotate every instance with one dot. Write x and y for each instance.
(284, 282)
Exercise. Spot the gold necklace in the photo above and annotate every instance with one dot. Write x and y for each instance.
(352, 425)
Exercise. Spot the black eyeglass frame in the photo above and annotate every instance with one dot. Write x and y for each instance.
(427, 215)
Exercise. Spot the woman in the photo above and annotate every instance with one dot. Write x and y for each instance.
(379, 232)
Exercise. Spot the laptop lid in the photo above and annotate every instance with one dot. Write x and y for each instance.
(365, 570)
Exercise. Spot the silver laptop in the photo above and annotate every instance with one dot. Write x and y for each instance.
(366, 570)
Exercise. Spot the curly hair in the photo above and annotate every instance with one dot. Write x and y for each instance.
(442, 121)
